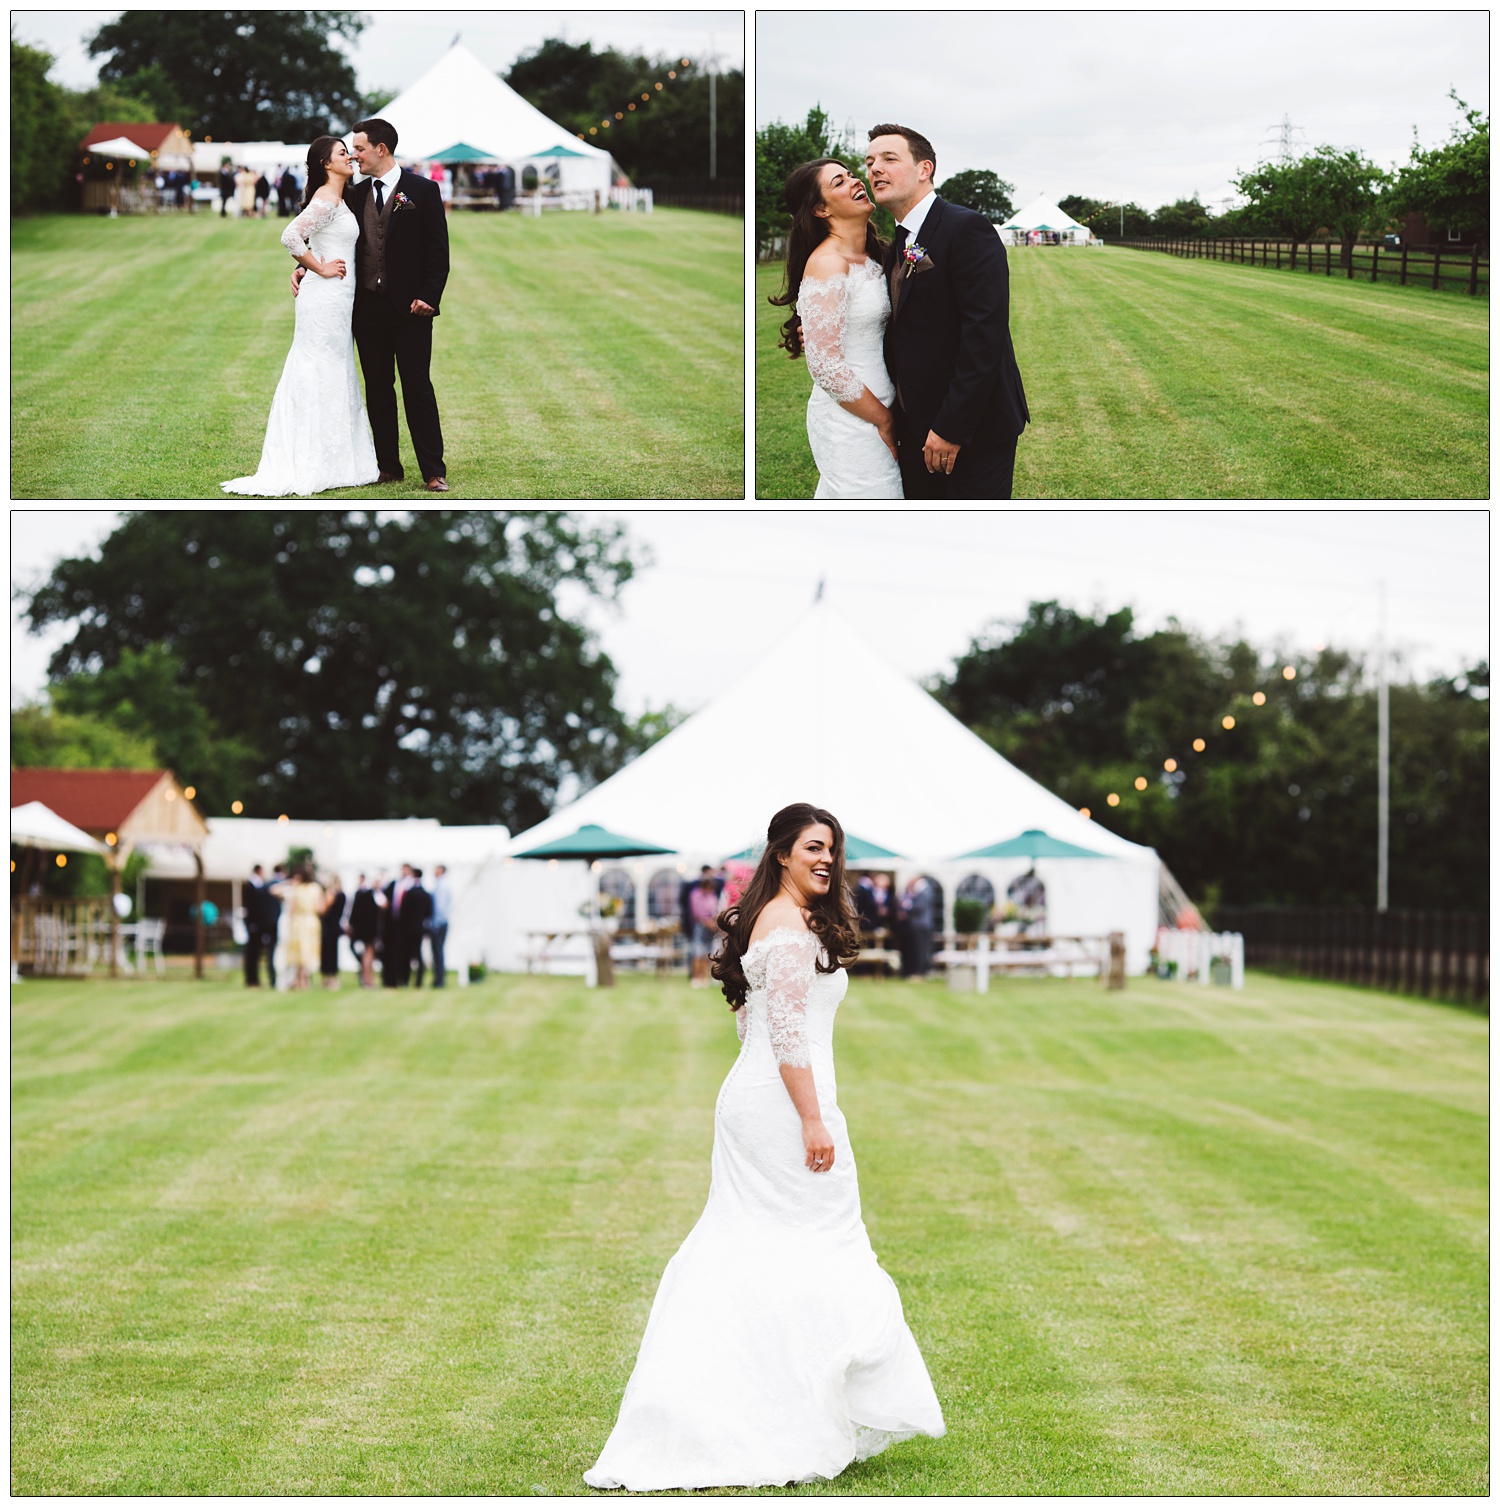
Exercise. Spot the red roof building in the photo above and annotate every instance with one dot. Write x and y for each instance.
(129, 805)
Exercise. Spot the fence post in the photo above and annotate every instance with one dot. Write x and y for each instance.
(1374, 262)
(1474, 271)
(1327, 258)
(1278, 256)
(1403, 261)
(1437, 261)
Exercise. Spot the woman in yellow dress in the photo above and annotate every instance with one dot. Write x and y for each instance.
(304, 930)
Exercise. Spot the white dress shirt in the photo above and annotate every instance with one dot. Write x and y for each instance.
(389, 181)
(914, 216)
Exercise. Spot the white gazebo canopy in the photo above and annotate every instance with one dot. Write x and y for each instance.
(461, 102)
(119, 146)
(1043, 214)
(37, 826)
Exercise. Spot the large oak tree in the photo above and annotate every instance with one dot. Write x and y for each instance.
(381, 665)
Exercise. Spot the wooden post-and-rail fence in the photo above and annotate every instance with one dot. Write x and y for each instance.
(1436, 954)
(1430, 266)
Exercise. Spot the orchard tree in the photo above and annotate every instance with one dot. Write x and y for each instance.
(1449, 185)
(980, 189)
(1327, 189)
(239, 75)
(378, 665)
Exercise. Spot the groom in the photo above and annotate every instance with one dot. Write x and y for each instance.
(961, 407)
(401, 267)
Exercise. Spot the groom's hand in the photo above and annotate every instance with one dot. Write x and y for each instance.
(418, 307)
(939, 454)
(298, 273)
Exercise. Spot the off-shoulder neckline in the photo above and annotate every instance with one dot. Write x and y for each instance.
(793, 931)
(839, 276)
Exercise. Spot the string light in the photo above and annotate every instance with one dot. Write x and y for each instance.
(1085, 813)
(1170, 766)
(62, 860)
(283, 818)
(111, 838)
(1289, 673)
(608, 121)
(237, 807)
(191, 791)
(1228, 724)
(1259, 698)
(1199, 745)
(1140, 782)
(1111, 799)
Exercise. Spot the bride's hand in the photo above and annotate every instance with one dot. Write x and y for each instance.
(887, 429)
(335, 268)
(818, 1144)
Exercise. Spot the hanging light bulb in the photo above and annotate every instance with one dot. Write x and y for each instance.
(1199, 745)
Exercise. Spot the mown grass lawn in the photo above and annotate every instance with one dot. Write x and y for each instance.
(577, 356)
(1150, 376)
(1170, 1241)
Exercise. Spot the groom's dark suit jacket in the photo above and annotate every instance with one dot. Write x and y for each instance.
(947, 346)
(416, 244)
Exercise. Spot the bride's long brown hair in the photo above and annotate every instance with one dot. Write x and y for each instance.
(830, 917)
(804, 197)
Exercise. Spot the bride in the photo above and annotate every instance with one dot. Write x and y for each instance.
(318, 436)
(834, 278)
(776, 1349)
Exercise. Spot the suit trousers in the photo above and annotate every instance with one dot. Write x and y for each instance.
(438, 936)
(390, 339)
(257, 941)
(978, 475)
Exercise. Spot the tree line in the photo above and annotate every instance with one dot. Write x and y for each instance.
(1333, 191)
(345, 664)
(280, 76)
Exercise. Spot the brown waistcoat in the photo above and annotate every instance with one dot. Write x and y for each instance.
(372, 243)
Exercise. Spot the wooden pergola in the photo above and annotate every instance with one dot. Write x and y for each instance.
(125, 809)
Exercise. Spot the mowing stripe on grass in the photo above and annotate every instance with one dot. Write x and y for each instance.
(1178, 1240)
(578, 356)
(1160, 377)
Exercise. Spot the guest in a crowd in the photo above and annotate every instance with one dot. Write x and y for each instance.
(419, 903)
(703, 906)
(333, 927)
(685, 892)
(262, 195)
(304, 935)
(919, 905)
(226, 189)
(262, 914)
(244, 182)
(286, 193)
(364, 930)
(437, 924)
(401, 934)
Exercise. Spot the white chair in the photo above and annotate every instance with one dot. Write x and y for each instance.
(148, 939)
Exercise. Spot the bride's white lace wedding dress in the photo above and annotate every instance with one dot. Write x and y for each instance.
(776, 1349)
(318, 435)
(843, 336)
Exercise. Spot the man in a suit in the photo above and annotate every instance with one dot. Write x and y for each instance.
(262, 915)
(401, 269)
(407, 907)
(961, 406)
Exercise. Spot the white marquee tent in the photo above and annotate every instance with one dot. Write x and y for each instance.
(1043, 214)
(825, 718)
(460, 103)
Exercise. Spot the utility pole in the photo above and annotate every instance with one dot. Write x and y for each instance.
(713, 134)
(1383, 773)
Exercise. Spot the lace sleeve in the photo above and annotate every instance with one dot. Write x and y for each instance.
(823, 306)
(312, 219)
(789, 972)
(739, 1023)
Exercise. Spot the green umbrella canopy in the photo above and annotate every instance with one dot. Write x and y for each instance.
(557, 151)
(1033, 843)
(856, 850)
(461, 151)
(592, 841)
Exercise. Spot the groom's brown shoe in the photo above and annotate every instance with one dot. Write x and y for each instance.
(438, 484)
(386, 476)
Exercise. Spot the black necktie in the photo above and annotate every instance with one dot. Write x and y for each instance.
(898, 251)
(379, 197)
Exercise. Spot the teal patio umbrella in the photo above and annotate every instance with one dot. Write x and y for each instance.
(592, 841)
(461, 151)
(856, 850)
(1033, 843)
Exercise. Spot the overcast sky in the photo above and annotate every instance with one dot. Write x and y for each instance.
(726, 583)
(397, 47)
(1121, 105)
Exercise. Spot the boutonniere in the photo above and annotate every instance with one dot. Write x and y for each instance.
(914, 256)
(400, 202)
